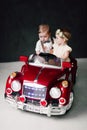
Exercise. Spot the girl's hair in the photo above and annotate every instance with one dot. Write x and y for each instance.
(64, 33)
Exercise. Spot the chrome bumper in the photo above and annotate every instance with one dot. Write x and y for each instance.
(49, 110)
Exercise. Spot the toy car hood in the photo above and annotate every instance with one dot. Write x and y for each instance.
(42, 75)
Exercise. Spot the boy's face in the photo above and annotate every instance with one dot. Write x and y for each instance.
(44, 36)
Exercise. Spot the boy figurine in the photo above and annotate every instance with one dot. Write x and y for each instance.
(44, 44)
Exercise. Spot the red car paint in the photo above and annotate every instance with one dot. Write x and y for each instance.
(44, 78)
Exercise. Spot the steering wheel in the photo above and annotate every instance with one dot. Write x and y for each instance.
(47, 56)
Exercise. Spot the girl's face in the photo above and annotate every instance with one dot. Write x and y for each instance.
(60, 40)
(44, 36)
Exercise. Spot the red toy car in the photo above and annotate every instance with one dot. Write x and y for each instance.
(44, 85)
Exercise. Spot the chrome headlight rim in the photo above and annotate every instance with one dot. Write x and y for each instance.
(55, 92)
(16, 85)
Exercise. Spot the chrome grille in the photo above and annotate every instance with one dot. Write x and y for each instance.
(34, 91)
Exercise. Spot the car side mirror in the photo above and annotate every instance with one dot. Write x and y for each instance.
(23, 58)
(66, 65)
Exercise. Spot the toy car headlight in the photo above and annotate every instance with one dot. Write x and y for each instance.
(16, 86)
(55, 92)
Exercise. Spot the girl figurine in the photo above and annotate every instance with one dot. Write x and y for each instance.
(60, 47)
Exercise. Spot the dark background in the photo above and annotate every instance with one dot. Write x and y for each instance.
(19, 20)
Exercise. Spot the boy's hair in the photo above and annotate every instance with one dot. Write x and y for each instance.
(44, 28)
(64, 33)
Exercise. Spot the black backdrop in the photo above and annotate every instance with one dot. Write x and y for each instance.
(19, 20)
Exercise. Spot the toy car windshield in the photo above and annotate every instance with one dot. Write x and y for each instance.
(46, 60)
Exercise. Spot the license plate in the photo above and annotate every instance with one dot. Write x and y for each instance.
(31, 108)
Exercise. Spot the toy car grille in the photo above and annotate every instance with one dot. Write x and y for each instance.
(33, 101)
(34, 92)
